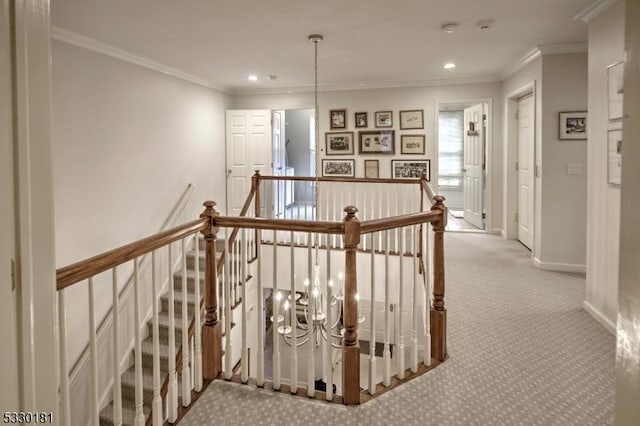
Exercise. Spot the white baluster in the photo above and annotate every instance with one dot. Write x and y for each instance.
(157, 399)
(311, 376)
(414, 334)
(244, 356)
(363, 214)
(115, 312)
(197, 339)
(64, 370)
(186, 368)
(228, 351)
(386, 354)
(400, 360)
(293, 320)
(372, 338)
(275, 308)
(139, 419)
(93, 357)
(334, 213)
(427, 310)
(260, 308)
(328, 347)
(172, 393)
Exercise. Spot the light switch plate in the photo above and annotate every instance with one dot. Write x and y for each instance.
(574, 169)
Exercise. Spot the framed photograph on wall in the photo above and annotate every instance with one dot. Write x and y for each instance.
(384, 118)
(371, 169)
(412, 119)
(615, 81)
(339, 143)
(410, 169)
(361, 119)
(614, 156)
(338, 168)
(338, 119)
(412, 144)
(573, 125)
(377, 142)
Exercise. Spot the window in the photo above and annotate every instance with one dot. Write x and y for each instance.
(451, 143)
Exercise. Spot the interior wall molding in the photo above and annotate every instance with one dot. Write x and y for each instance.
(560, 267)
(598, 7)
(390, 84)
(525, 60)
(551, 49)
(88, 43)
(599, 316)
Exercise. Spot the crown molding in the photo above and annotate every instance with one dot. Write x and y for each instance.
(589, 13)
(552, 49)
(514, 67)
(75, 39)
(389, 84)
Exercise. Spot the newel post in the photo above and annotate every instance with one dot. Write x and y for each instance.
(438, 311)
(351, 345)
(211, 330)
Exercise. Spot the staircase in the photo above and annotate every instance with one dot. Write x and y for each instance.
(128, 377)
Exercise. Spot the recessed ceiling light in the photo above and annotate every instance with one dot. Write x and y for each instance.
(253, 77)
(450, 27)
(449, 66)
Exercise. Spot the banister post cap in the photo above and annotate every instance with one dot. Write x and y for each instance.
(257, 171)
(351, 210)
(209, 204)
(439, 199)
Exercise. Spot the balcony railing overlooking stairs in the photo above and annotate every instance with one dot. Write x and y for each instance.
(388, 270)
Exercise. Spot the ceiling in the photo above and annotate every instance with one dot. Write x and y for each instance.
(366, 42)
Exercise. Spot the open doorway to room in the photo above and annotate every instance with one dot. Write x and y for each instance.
(294, 155)
(462, 137)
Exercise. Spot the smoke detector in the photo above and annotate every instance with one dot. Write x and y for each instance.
(450, 27)
(485, 25)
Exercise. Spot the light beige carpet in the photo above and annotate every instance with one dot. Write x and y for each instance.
(522, 352)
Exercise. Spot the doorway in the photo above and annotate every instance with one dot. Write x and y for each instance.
(294, 155)
(462, 135)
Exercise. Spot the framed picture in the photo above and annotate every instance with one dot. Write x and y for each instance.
(338, 119)
(371, 169)
(573, 125)
(412, 119)
(361, 119)
(615, 80)
(410, 169)
(614, 157)
(384, 118)
(377, 142)
(338, 168)
(339, 143)
(412, 144)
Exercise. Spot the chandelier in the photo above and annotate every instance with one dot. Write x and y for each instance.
(321, 321)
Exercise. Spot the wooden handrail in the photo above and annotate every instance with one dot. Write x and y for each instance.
(376, 225)
(87, 268)
(234, 233)
(427, 189)
(280, 224)
(340, 179)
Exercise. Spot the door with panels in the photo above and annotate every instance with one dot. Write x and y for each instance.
(473, 165)
(526, 168)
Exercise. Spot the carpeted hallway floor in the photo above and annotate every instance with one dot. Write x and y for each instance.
(522, 352)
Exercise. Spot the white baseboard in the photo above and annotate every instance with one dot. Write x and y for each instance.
(560, 267)
(599, 316)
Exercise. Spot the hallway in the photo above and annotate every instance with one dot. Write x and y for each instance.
(522, 351)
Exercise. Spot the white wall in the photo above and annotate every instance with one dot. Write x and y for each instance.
(606, 46)
(564, 196)
(560, 84)
(425, 98)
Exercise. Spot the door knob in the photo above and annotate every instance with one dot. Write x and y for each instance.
(229, 171)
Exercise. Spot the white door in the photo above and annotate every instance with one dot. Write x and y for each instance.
(525, 170)
(9, 391)
(279, 147)
(473, 165)
(248, 149)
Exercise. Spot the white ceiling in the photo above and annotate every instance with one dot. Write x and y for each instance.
(367, 42)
